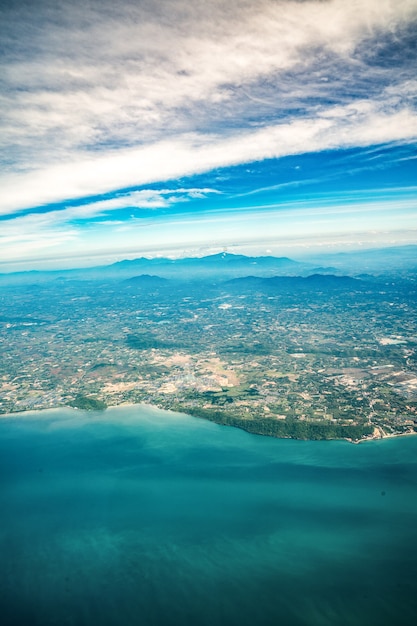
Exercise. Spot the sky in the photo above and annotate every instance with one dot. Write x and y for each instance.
(174, 128)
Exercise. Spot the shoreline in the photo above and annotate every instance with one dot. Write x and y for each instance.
(132, 405)
(385, 436)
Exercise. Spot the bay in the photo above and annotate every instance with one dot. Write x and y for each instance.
(140, 516)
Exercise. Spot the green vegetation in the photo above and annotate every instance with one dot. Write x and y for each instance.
(87, 403)
(146, 341)
(288, 428)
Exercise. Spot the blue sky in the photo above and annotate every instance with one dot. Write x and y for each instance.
(174, 128)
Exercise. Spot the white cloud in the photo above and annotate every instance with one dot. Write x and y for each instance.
(101, 75)
(142, 199)
(32, 236)
(187, 155)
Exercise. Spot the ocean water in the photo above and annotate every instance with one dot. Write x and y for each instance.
(141, 517)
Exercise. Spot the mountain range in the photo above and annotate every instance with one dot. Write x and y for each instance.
(226, 266)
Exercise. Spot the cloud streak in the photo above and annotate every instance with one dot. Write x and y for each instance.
(359, 125)
(83, 77)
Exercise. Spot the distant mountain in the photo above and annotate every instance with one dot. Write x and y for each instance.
(222, 259)
(225, 266)
(146, 281)
(315, 282)
(330, 280)
(215, 266)
(226, 259)
(136, 263)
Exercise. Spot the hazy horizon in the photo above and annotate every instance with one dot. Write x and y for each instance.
(88, 262)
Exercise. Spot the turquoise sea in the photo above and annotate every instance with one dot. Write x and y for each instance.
(137, 516)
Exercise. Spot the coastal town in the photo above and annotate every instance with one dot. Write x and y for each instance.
(319, 362)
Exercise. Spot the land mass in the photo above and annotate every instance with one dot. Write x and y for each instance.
(321, 356)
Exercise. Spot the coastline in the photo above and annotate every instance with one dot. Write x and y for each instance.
(378, 434)
(384, 436)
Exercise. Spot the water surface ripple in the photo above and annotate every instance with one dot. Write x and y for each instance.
(139, 516)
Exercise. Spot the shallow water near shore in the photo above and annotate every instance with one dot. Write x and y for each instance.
(140, 516)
